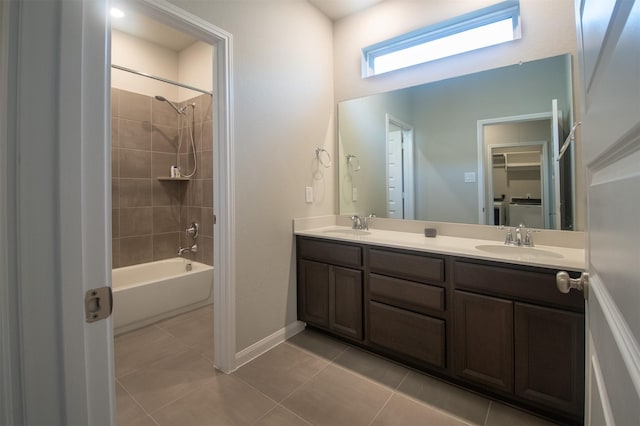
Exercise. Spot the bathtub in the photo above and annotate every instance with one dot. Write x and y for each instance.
(149, 292)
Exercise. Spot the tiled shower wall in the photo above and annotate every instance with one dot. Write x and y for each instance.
(149, 216)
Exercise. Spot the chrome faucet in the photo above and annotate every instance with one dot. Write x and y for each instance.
(367, 221)
(523, 236)
(192, 249)
(358, 222)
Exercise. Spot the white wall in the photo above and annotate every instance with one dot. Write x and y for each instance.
(141, 55)
(283, 110)
(547, 30)
(195, 68)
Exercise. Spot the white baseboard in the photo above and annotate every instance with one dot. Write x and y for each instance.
(248, 354)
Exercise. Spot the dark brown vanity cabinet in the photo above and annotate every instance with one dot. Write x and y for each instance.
(500, 329)
(406, 306)
(330, 294)
(515, 333)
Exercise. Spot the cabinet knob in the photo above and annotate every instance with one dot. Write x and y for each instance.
(565, 283)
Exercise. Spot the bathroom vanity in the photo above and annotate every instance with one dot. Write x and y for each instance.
(472, 313)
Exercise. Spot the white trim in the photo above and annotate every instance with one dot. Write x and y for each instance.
(10, 385)
(224, 176)
(602, 392)
(248, 354)
(627, 345)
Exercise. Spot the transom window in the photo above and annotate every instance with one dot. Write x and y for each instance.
(485, 27)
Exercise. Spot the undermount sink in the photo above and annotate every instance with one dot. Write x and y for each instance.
(347, 231)
(523, 252)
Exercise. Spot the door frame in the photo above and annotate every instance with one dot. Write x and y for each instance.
(482, 192)
(54, 207)
(224, 325)
(407, 166)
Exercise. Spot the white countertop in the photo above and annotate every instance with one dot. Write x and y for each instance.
(543, 256)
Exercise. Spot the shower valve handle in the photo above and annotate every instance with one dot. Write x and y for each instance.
(193, 230)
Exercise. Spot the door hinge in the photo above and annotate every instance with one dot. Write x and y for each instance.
(98, 304)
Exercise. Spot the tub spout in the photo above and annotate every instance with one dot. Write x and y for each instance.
(192, 249)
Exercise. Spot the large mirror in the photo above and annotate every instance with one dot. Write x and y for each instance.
(481, 148)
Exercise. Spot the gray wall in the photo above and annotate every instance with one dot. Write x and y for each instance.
(446, 115)
(283, 110)
(362, 133)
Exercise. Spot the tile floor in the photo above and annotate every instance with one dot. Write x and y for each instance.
(165, 376)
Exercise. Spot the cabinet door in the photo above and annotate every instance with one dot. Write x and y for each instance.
(483, 339)
(345, 302)
(313, 292)
(549, 357)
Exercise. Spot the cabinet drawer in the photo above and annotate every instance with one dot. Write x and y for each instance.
(406, 294)
(406, 333)
(409, 266)
(506, 282)
(334, 253)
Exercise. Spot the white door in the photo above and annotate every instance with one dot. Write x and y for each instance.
(609, 34)
(395, 187)
(399, 169)
(60, 230)
(554, 215)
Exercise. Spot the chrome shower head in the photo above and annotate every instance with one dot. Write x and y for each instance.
(178, 110)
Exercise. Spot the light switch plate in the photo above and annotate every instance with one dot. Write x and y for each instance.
(308, 194)
(354, 194)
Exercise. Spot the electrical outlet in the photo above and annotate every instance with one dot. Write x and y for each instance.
(354, 194)
(469, 176)
(308, 194)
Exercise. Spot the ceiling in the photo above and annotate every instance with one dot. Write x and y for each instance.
(338, 9)
(150, 30)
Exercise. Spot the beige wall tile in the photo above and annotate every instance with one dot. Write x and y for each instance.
(135, 135)
(135, 250)
(165, 246)
(135, 163)
(164, 139)
(136, 221)
(135, 192)
(133, 106)
(162, 113)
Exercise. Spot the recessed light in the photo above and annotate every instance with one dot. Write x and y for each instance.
(116, 13)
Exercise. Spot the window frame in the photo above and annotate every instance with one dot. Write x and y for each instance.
(509, 9)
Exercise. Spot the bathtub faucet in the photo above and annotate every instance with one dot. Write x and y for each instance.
(192, 249)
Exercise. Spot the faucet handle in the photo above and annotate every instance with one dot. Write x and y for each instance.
(367, 220)
(509, 237)
(528, 239)
(357, 222)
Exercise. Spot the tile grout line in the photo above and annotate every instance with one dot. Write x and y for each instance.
(382, 408)
(433, 407)
(486, 417)
(144, 410)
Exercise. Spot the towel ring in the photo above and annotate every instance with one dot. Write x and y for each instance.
(353, 161)
(326, 163)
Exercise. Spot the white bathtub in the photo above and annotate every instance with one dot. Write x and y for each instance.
(149, 292)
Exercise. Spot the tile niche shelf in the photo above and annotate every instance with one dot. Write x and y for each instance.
(167, 178)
